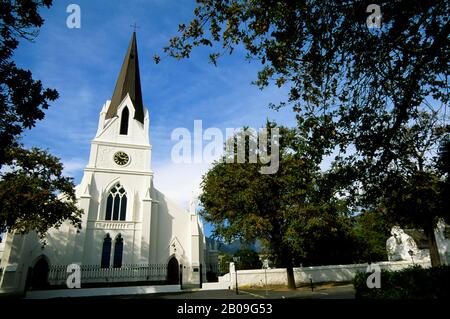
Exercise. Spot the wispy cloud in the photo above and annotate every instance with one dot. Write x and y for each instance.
(74, 167)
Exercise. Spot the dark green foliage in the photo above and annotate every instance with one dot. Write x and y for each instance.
(329, 242)
(294, 212)
(244, 204)
(410, 283)
(349, 85)
(22, 99)
(224, 264)
(415, 198)
(248, 259)
(31, 180)
(29, 193)
(370, 230)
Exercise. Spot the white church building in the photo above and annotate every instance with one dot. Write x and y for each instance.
(130, 230)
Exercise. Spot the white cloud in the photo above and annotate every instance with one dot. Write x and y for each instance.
(74, 167)
(179, 182)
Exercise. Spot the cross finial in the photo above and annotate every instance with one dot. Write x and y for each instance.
(134, 26)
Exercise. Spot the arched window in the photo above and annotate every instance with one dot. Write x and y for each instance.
(106, 251)
(118, 252)
(124, 121)
(116, 203)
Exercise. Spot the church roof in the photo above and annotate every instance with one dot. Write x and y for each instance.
(128, 82)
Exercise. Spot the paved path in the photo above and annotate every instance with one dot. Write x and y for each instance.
(121, 291)
(337, 292)
(102, 292)
(209, 291)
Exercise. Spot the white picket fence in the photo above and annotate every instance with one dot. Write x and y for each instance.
(96, 274)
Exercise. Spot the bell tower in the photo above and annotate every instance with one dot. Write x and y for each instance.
(122, 141)
(118, 178)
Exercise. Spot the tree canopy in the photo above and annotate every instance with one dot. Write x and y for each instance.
(294, 212)
(366, 82)
(33, 193)
(373, 98)
(22, 99)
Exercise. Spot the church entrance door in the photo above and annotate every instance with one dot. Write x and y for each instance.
(39, 274)
(173, 275)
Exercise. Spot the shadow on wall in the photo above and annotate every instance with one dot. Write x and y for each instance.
(22, 255)
(163, 230)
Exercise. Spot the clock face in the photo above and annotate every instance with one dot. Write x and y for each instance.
(121, 158)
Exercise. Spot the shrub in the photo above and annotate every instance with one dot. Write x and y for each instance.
(410, 283)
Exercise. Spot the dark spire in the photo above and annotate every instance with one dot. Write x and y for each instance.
(128, 82)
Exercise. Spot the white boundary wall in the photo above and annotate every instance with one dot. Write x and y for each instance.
(2, 249)
(334, 273)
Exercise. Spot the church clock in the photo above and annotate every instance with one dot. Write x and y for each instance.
(121, 158)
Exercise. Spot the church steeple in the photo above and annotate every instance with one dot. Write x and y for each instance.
(128, 82)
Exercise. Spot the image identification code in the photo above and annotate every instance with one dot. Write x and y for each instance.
(226, 308)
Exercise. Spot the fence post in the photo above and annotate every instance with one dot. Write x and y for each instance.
(181, 276)
(201, 276)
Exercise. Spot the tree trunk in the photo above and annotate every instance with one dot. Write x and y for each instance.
(288, 263)
(290, 277)
(434, 252)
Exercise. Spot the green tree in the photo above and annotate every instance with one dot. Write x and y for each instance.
(354, 89)
(248, 259)
(34, 195)
(22, 99)
(371, 230)
(30, 185)
(295, 218)
(416, 200)
(224, 264)
(410, 191)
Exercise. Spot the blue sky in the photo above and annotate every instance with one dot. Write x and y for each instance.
(83, 64)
